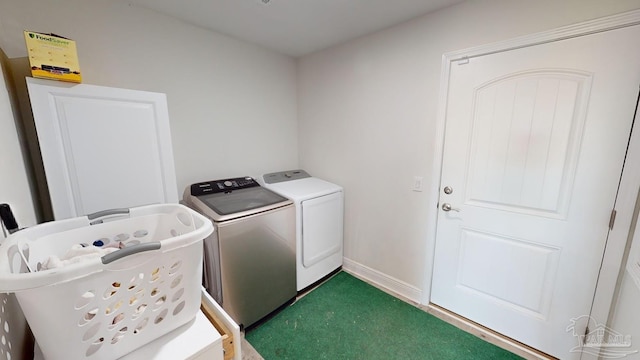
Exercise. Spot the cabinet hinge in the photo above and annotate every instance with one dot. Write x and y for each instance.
(612, 219)
(463, 60)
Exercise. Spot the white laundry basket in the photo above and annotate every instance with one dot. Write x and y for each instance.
(104, 308)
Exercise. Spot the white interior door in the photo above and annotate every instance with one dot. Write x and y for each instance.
(102, 147)
(534, 146)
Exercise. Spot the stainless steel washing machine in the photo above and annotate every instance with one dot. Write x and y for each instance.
(250, 259)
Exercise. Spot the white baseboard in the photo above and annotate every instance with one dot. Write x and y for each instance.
(382, 281)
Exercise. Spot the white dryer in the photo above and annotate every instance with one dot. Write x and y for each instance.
(319, 223)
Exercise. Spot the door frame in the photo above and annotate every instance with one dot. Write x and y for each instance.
(630, 176)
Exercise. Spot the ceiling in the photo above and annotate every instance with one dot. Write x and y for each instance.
(295, 27)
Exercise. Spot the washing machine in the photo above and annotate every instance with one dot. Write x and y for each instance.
(319, 208)
(250, 259)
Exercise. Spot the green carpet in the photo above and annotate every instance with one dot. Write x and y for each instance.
(346, 318)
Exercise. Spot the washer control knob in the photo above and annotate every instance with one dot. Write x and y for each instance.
(228, 183)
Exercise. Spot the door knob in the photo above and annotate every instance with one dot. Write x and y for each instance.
(448, 190)
(447, 207)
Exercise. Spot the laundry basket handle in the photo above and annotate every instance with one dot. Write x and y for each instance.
(129, 250)
(97, 217)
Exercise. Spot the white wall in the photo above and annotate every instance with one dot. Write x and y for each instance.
(14, 190)
(232, 104)
(367, 114)
(14, 185)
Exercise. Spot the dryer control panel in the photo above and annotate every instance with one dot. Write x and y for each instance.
(224, 185)
(281, 176)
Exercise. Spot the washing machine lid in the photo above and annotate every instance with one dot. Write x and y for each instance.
(241, 197)
(305, 188)
(241, 200)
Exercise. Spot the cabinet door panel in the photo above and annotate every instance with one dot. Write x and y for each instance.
(102, 147)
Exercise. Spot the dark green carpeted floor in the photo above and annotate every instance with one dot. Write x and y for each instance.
(346, 318)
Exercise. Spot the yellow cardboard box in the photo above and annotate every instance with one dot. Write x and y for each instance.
(52, 57)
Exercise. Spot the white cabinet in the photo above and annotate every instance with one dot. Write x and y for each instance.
(197, 340)
(102, 147)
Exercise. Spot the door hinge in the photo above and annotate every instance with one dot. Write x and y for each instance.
(612, 219)
(586, 335)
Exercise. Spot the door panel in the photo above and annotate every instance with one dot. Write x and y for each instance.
(534, 145)
(527, 128)
(102, 147)
(527, 268)
(321, 228)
